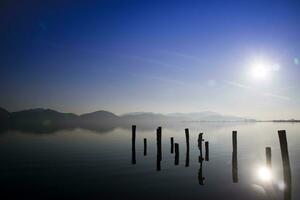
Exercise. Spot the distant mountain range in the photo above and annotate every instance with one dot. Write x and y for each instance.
(47, 121)
(207, 116)
(52, 117)
(4, 116)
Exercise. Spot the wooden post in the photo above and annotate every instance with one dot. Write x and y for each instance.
(145, 146)
(206, 151)
(172, 145)
(268, 157)
(286, 165)
(159, 133)
(133, 155)
(200, 146)
(176, 153)
(200, 173)
(234, 140)
(187, 137)
(234, 158)
(159, 151)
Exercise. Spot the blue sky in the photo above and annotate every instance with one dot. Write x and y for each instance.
(157, 56)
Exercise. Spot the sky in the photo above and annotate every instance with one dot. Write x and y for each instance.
(232, 57)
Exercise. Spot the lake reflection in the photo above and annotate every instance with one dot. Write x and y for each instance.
(84, 164)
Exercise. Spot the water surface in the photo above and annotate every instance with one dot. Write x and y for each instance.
(87, 164)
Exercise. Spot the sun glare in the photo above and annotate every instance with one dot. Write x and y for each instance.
(260, 70)
(264, 174)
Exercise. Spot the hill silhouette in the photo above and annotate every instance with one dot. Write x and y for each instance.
(47, 120)
(42, 116)
(4, 118)
(4, 114)
(48, 116)
(206, 116)
(99, 116)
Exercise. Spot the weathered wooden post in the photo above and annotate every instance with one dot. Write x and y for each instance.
(200, 146)
(176, 153)
(133, 155)
(268, 157)
(159, 151)
(145, 146)
(172, 145)
(286, 165)
(234, 157)
(159, 134)
(206, 151)
(200, 173)
(187, 138)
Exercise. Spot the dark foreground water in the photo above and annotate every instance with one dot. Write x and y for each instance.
(85, 164)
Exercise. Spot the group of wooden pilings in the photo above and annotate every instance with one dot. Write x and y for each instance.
(268, 151)
(287, 176)
(284, 156)
(175, 148)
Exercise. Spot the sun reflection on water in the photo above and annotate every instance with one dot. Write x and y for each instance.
(264, 174)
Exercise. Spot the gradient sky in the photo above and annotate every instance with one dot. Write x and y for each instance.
(168, 56)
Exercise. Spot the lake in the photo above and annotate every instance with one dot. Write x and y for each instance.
(90, 164)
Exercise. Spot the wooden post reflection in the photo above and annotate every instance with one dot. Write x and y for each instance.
(176, 153)
(187, 137)
(133, 155)
(145, 146)
(268, 157)
(234, 157)
(172, 145)
(159, 152)
(286, 165)
(200, 174)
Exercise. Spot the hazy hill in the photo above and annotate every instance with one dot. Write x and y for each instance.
(205, 116)
(97, 120)
(99, 117)
(42, 116)
(4, 117)
(145, 117)
(4, 113)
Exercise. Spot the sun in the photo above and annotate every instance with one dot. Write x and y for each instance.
(260, 70)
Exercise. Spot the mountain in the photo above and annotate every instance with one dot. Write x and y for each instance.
(144, 117)
(4, 113)
(99, 117)
(4, 117)
(206, 116)
(43, 120)
(43, 117)
(175, 117)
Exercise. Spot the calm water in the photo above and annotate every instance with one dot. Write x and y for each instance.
(85, 164)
